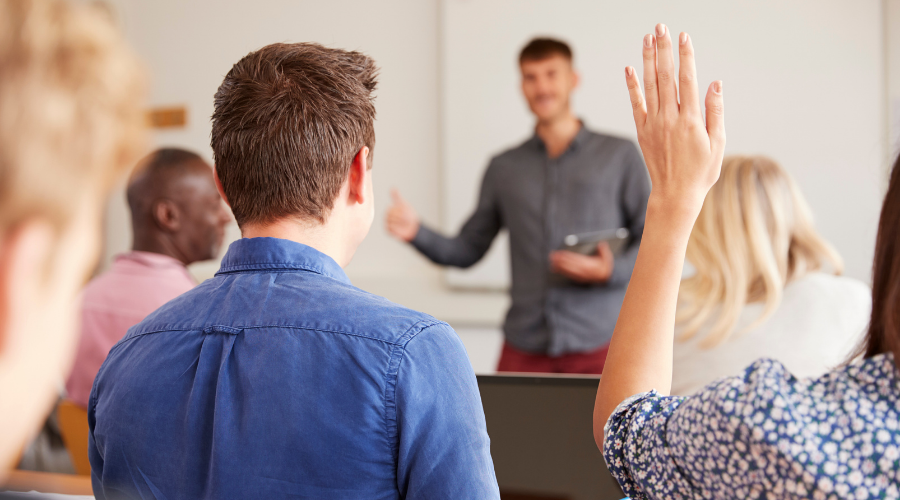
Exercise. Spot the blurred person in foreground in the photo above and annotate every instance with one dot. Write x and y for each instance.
(71, 120)
(762, 433)
(766, 283)
(177, 218)
(566, 179)
(277, 378)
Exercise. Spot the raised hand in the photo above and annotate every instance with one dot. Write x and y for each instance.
(402, 219)
(684, 157)
(683, 154)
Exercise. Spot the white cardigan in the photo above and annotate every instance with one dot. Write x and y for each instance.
(819, 321)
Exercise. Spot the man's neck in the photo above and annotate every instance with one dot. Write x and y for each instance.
(322, 237)
(558, 133)
(158, 245)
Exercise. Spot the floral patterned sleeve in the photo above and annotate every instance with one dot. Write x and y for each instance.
(764, 434)
(635, 447)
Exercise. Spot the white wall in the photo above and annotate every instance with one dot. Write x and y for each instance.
(190, 45)
(891, 13)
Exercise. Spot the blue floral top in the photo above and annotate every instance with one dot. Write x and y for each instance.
(764, 434)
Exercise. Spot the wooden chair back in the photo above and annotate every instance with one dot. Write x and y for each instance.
(73, 425)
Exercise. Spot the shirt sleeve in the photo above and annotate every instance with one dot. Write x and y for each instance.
(475, 237)
(635, 193)
(636, 450)
(94, 456)
(722, 442)
(444, 449)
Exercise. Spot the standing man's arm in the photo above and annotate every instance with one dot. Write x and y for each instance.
(635, 193)
(443, 447)
(464, 250)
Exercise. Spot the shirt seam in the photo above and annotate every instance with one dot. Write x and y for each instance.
(256, 327)
(391, 378)
(269, 266)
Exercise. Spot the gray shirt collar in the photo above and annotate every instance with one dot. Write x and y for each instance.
(580, 138)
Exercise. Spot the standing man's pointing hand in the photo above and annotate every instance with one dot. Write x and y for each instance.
(402, 219)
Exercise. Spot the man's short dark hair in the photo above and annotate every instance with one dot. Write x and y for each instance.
(542, 48)
(152, 175)
(288, 121)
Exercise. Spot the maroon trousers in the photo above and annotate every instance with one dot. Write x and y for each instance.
(514, 360)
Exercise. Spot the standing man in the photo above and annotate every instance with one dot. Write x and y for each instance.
(564, 180)
(178, 218)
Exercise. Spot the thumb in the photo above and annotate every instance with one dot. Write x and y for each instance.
(395, 195)
(604, 251)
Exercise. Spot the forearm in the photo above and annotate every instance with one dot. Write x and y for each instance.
(456, 252)
(640, 355)
(684, 159)
(624, 263)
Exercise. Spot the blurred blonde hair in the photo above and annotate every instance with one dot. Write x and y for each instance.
(71, 108)
(754, 235)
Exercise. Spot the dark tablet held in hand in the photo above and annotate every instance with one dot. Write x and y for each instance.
(586, 243)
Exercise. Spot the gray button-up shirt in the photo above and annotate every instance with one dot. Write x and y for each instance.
(599, 182)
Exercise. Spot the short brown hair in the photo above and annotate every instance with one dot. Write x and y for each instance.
(71, 108)
(288, 121)
(542, 48)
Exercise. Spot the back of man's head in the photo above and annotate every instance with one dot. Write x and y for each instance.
(156, 176)
(289, 120)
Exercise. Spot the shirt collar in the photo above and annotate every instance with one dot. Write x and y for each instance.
(580, 138)
(149, 259)
(276, 254)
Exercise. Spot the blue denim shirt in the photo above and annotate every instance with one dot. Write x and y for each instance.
(278, 379)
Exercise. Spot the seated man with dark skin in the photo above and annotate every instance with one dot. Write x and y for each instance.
(177, 218)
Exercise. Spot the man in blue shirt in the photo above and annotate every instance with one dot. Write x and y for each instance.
(277, 378)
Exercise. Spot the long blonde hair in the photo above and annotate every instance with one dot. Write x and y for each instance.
(72, 103)
(754, 235)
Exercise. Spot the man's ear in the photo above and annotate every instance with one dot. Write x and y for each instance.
(359, 174)
(23, 255)
(576, 79)
(219, 187)
(166, 214)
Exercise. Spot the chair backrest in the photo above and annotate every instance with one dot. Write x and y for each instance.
(73, 425)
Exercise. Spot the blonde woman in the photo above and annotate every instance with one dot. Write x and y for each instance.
(71, 122)
(766, 284)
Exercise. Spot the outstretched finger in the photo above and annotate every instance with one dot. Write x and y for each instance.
(665, 70)
(715, 118)
(687, 76)
(638, 105)
(651, 89)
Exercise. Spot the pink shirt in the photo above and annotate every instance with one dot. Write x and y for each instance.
(137, 284)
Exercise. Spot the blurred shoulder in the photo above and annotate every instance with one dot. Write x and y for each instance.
(611, 141)
(832, 289)
(529, 149)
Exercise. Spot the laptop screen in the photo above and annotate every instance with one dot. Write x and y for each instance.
(542, 440)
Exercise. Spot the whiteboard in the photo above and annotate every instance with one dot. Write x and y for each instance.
(803, 84)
